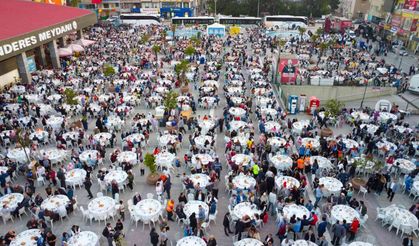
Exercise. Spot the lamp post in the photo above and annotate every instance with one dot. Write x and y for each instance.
(363, 96)
(215, 8)
(258, 8)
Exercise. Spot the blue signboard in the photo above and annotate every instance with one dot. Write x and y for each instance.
(31, 64)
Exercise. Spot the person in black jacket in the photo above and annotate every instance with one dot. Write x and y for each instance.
(87, 185)
(192, 222)
(226, 224)
(408, 241)
(154, 237)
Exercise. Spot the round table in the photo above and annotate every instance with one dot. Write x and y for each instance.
(101, 207)
(202, 179)
(54, 203)
(18, 154)
(242, 138)
(165, 159)
(118, 175)
(167, 139)
(349, 143)
(371, 129)
(385, 116)
(237, 124)
(277, 142)
(384, 144)
(269, 111)
(272, 126)
(403, 129)
(242, 159)
(235, 90)
(127, 156)
(85, 155)
(103, 138)
(281, 162)
(114, 122)
(297, 210)
(358, 243)
(201, 139)
(84, 238)
(263, 101)
(244, 182)
(314, 142)
(9, 202)
(323, 162)
(33, 98)
(54, 155)
(147, 209)
(405, 166)
(204, 158)
(303, 243)
(248, 242)
(55, 121)
(360, 115)
(39, 134)
(135, 138)
(331, 184)
(298, 126)
(191, 240)
(245, 208)
(26, 238)
(235, 111)
(343, 212)
(75, 176)
(237, 100)
(401, 217)
(193, 206)
(206, 125)
(288, 180)
(73, 135)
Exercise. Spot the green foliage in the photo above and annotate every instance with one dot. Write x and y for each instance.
(181, 70)
(144, 39)
(333, 107)
(150, 162)
(24, 141)
(170, 102)
(302, 31)
(314, 38)
(70, 96)
(108, 70)
(282, 42)
(195, 41)
(320, 31)
(74, 3)
(156, 49)
(190, 50)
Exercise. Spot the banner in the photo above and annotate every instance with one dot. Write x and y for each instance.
(56, 2)
(31, 64)
(96, 1)
(288, 68)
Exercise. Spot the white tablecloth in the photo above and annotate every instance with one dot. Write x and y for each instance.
(101, 207)
(298, 210)
(237, 111)
(277, 142)
(242, 159)
(72, 108)
(245, 208)
(244, 182)
(349, 143)
(343, 212)
(135, 138)
(272, 126)
(269, 111)
(55, 122)
(114, 122)
(193, 206)
(303, 243)
(147, 209)
(200, 178)
(204, 158)
(371, 129)
(403, 129)
(386, 145)
(288, 180)
(55, 203)
(103, 138)
(211, 83)
(75, 176)
(331, 184)
(235, 90)
(248, 242)
(54, 155)
(41, 135)
(20, 89)
(166, 139)
(127, 156)
(360, 244)
(8, 203)
(201, 139)
(242, 138)
(360, 115)
(281, 162)
(18, 154)
(237, 124)
(32, 98)
(406, 166)
(84, 238)
(323, 162)
(314, 142)
(298, 126)
(165, 159)
(191, 241)
(54, 97)
(385, 116)
(206, 125)
(46, 109)
(237, 100)
(26, 238)
(118, 175)
(73, 135)
(85, 155)
(401, 217)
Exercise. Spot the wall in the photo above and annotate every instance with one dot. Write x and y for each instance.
(341, 93)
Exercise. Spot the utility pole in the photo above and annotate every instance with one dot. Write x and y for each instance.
(363, 96)
(215, 8)
(258, 8)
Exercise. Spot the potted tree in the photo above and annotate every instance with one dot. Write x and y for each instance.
(333, 108)
(150, 162)
(181, 70)
(170, 102)
(359, 163)
(156, 49)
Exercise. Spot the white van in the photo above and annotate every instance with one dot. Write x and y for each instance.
(414, 84)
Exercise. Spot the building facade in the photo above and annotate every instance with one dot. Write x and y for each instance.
(354, 9)
(404, 23)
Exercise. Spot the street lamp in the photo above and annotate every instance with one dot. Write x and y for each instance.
(215, 8)
(365, 91)
(258, 8)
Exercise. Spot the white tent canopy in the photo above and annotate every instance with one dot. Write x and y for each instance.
(216, 29)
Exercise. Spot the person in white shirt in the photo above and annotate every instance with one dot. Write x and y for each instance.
(287, 242)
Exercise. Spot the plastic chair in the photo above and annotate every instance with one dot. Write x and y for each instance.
(362, 190)
(150, 195)
(22, 210)
(6, 217)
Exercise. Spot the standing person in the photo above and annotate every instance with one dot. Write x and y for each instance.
(108, 232)
(201, 216)
(87, 186)
(114, 188)
(122, 210)
(353, 229)
(394, 187)
(221, 124)
(193, 223)
(319, 195)
(130, 180)
(61, 176)
(169, 209)
(338, 233)
(154, 237)
(408, 241)
(51, 238)
(321, 228)
(167, 186)
(226, 224)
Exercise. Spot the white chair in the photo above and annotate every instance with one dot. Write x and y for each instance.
(40, 180)
(191, 197)
(6, 217)
(363, 221)
(49, 220)
(380, 214)
(99, 194)
(103, 186)
(117, 197)
(22, 210)
(147, 222)
(212, 217)
(121, 187)
(150, 195)
(362, 190)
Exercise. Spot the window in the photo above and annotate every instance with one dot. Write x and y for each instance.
(106, 5)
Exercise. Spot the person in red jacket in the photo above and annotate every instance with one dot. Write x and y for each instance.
(353, 229)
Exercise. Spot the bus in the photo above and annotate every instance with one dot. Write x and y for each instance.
(227, 20)
(139, 19)
(289, 22)
(200, 20)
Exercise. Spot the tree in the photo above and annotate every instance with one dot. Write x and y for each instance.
(24, 141)
(74, 3)
(314, 38)
(144, 39)
(181, 70)
(281, 43)
(170, 102)
(190, 50)
(70, 96)
(323, 47)
(156, 49)
(333, 107)
(302, 30)
(320, 31)
(195, 41)
(108, 70)
(150, 162)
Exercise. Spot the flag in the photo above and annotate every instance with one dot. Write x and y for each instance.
(96, 1)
